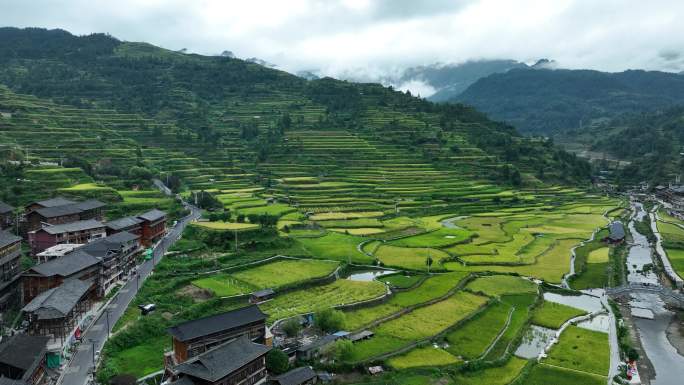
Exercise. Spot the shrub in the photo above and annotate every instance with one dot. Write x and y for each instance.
(291, 327)
(330, 320)
(277, 362)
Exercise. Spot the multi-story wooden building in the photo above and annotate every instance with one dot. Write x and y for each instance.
(10, 269)
(237, 362)
(117, 254)
(193, 338)
(59, 211)
(45, 276)
(6, 215)
(132, 225)
(23, 359)
(153, 226)
(80, 232)
(57, 313)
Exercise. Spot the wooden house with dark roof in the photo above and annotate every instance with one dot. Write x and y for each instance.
(45, 276)
(10, 269)
(153, 226)
(304, 375)
(6, 215)
(239, 361)
(80, 232)
(58, 211)
(56, 313)
(23, 360)
(117, 254)
(195, 337)
(132, 225)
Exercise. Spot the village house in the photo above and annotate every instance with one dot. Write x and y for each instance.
(6, 215)
(132, 225)
(239, 361)
(299, 376)
(10, 269)
(59, 314)
(79, 232)
(617, 233)
(192, 338)
(58, 211)
(261, 295)
(153, 226)
(312, 350)
(56, 251)
(74, 266)
(23, 360)
(117, 254)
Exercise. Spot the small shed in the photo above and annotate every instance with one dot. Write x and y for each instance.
(312, 350)
(360, 336)
(262, 295)
(299, 376)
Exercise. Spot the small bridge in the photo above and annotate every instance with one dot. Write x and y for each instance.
(667, 294)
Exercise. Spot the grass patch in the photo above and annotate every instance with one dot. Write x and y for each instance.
(340, 292)
(473, 338)
(422, 357)
(552, 315)
(497, 285)
(501, 375)
(544, 375)
(226, 225)
(339, 247)
(581, 349)
(413, 258)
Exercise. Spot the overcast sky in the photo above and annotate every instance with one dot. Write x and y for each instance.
(377, 36)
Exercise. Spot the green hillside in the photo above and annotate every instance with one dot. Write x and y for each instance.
(319, 173)
(549, 102)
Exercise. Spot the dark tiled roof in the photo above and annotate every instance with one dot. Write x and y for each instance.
(70, 209)
(216, 323)
(617, 230)
(5, 208)
(23, 351)
(73, 226)
(58, 201)
(90, 204)
(319, 343)
(296, 376)
(7, 238)
(222, 360)
(67, 265)
(103, 247)
(59, 301)
(123, 223)
(59, 211)
(152, 215)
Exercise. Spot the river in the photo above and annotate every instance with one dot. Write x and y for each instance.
(668, 364)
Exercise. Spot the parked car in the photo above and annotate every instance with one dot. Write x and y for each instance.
(147, 309)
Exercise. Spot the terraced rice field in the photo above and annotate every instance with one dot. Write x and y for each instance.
(417, 325)
(573, 348)
(272, 275)
(340, 292)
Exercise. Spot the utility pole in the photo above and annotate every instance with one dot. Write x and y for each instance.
(92, 341)
(107, 312)
(236, 241)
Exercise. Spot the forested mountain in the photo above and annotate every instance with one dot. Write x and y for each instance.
(651, 142)
(544, 101)
(240, 111)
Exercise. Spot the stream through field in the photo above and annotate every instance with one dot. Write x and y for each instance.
(668, 364)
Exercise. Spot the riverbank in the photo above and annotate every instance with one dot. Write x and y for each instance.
(675, 332)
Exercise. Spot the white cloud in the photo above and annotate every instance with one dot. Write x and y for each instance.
(378, 36)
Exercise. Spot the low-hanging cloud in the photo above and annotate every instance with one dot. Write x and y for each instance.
(338, 36)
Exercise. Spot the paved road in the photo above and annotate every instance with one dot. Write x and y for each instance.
(80, 367)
